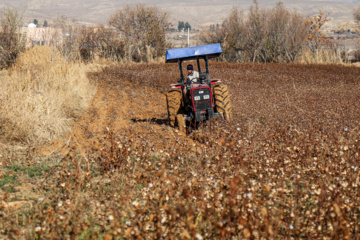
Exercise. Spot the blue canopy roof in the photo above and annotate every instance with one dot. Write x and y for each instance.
(191, 53)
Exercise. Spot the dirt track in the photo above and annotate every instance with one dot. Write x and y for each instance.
(119, 106)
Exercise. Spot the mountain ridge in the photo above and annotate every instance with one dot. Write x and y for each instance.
(197, 13)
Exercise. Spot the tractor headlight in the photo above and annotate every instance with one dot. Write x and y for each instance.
(206, 96)
(197, 98)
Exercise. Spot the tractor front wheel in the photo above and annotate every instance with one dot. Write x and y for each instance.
(222, 101)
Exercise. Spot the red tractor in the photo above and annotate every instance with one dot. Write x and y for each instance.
(190, 102)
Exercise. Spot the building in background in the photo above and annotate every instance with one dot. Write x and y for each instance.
(43, 36)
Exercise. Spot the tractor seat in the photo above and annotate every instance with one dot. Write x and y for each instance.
(202, 76)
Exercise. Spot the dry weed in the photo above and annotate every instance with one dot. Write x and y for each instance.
(322, 56)
(40, 96)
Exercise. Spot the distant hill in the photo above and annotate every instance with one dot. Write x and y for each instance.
(200, 12)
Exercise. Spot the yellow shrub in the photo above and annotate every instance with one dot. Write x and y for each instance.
(41, 94)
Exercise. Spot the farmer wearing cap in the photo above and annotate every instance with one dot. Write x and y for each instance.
(193, 76)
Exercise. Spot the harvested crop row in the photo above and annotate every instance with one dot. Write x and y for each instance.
(287, 166)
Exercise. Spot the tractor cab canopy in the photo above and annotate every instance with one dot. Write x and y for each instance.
(194, 53)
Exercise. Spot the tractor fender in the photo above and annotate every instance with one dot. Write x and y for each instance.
(175, 86)
(215, 82)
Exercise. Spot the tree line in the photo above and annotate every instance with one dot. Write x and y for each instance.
(183, 26)
(267, 34)
(138, 33)
(36, 22)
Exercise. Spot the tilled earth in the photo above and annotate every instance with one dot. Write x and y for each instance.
(287, 166)
(119, 105)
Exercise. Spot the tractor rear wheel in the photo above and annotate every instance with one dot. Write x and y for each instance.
(173, 105)
(222, 100)
(181, 123)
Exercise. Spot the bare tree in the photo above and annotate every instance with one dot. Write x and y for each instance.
(143, 28)
(265, 35)
(10, 36)
(102, 42)
(257, 31)
(316, 37)
(70, 33)
(86, 43)
(231, 34)
(296, 33)
(285, 35)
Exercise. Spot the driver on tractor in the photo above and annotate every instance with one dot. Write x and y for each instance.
(193, 75)
(196, 98)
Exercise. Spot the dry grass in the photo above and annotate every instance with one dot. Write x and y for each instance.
(322, 56)
(40, 95)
